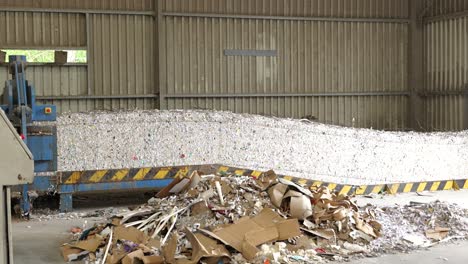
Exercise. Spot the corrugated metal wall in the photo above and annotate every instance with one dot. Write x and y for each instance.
(56, 80)
(28, 30)
(122, 61)
(136, 5)
(119, 37)
(336, 59)
(446, 72)
(323, 8)
(321, 69)
(443, 7)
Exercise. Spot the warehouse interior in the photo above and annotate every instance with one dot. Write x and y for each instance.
(390, 64)
(345, 119)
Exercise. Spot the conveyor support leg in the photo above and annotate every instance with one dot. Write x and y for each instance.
(25, 203)
(66, 202)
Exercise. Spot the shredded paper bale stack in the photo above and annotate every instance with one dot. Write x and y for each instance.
(133, 139)
(213, 219)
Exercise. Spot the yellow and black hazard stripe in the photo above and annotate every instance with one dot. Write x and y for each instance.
(460, 184)
(313, 184)
(359, 189)
(224, 170)
(155, 173)
(306, 183)
(138, 174)
(368, 189)
(419, 186)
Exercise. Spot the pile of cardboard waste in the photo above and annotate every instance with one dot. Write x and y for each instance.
(235, 219)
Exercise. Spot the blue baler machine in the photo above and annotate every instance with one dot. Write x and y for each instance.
(31, 120)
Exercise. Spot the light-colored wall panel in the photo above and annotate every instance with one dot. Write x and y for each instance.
(446, 72)
(313, 57)
(339, 8)
(121, 56)
(379, 112)
(42, 30)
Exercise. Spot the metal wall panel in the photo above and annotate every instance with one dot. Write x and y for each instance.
(445, 113)
(338, 8)
(42, 30)
(446, 72)
(444, 7)
(67, 80)
(313, 57)
(136, 5)
(84, 105)
(55, 80)
(121, 59)
(379, 112)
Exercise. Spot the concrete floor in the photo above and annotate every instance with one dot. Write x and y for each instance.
(455, 253)
(38, 242)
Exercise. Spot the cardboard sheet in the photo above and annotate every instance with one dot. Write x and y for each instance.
(296, 186)
(200, 208)
(91, 244)
(116, 256)
(203, 247)
(152, 260)
(70, 253)
(300, 206)
(323, 233)
(276, 193)
(195, 178)
(261, 236)
(153, 243)
(364, 227)
(265, 227)
(133, 258)
(180, 184)
(266, 179)
(169, 249)
(288, 228)
(437, 233)
(131, 234)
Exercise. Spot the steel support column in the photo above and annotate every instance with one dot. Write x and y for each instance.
(416, 66)
(66, 202)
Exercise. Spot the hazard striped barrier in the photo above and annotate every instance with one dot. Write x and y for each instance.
(158, 173)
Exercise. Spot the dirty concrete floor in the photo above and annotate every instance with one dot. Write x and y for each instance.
(38, 242)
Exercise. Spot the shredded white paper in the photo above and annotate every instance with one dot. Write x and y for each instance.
(133, 139)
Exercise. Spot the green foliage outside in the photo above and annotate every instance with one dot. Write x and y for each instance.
(45, 56)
